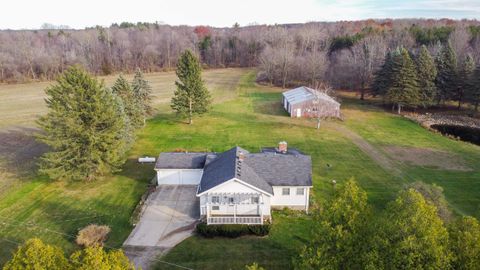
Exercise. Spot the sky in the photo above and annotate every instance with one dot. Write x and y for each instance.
(31, 14)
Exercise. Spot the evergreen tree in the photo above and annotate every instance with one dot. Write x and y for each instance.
(34, 254)
(403, 89)
(426, 72)
(465, 243)
(414, 236)
(446, 80)
(473, 88)
(84, 127)
(191, 96)
(465, 76)
(132, 107)
(382, 77)
(340, 233)
(142, 93)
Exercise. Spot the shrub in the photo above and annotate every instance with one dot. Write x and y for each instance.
(232, 230)
(92, 235)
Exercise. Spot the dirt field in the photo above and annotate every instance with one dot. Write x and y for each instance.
(21, 104)
(427, 158)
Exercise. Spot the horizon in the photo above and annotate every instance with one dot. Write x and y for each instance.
(249, 12)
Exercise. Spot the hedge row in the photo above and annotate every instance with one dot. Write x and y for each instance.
(232, 230)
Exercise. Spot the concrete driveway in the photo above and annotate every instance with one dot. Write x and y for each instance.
(170, 215)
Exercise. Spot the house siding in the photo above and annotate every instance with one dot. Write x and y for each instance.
(294, 201)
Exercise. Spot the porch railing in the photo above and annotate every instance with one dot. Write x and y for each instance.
(234, 220)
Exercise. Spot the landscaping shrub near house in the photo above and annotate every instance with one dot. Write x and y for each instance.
(232, 230)
(92, 235)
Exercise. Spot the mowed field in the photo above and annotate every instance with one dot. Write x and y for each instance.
(33, 206)
(382, 151)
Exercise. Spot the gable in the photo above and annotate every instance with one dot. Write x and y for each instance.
(235, 186)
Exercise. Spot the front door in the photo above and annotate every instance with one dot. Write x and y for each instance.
(299, 112)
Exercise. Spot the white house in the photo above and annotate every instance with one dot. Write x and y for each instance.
(239, 187)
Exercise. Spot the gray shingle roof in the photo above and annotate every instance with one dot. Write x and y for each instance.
(181, 160)
(261, 170)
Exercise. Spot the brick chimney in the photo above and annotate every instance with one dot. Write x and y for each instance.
(282, 147)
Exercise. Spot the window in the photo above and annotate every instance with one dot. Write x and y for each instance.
(285, 191)
(231, 200)
(255, 200)
(300, 191)
(215, 207)
(215, 199)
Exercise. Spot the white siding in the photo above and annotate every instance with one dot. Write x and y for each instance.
(290, 200)
(179, 177)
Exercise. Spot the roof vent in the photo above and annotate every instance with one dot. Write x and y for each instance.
(282, 147)
(241, 156)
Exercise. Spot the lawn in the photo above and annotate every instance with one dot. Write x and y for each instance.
(249, 116)
(256, 119)
(33, 206)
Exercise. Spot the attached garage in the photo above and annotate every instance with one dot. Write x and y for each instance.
(179, 177)
(180, 168)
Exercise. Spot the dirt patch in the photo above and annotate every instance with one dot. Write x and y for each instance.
(426, 157)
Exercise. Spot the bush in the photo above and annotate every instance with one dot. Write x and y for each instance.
(232, 230)
(92, 235)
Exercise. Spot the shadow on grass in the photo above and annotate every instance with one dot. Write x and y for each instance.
(19, 151)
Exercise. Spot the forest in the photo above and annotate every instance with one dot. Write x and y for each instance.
(346, 54)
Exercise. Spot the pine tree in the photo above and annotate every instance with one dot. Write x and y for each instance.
(132, 107)
(143, 93)
(403, 90)
(426, 72)
(464, 78)
(84, 127)
(473, 89)
(191, 96)
(446, 80)
(382, 77)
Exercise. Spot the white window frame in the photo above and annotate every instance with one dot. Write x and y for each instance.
(285, 191)
(231, 200)
(255, 200)
(215, 199)
(300, 191)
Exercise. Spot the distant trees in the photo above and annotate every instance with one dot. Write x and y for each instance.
(447, 80)
(408, 234)
(142, 92)
(427, 73)
(191, 96)
(34, 254)
(473, 88)
(88, 126)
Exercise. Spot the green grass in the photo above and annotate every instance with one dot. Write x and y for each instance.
(250, 117)
(33, 206)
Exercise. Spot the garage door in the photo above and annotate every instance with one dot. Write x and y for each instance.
(179, 177)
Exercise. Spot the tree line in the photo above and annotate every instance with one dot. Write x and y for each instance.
(344, 54)
(413, 79)
(414, 231)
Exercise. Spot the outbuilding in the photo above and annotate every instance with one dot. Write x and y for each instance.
(307, 102)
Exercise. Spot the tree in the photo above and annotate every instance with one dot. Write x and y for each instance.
(142, 92)
(434, 195)
(465, 243)
(403, 89)
(34, 254)
(427, 72)
(319, 108)
(254, 266)
(383, 76)
(473, 88)
(446, 80)
(414, 235)
(340, 232)
(131, 105)
(84, 127)
(464, 78)
(97, 258)
(191, 96)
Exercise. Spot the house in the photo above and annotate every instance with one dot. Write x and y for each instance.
(305, 102)
(239, 187)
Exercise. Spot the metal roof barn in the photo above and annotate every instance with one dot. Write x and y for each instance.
(299, 102)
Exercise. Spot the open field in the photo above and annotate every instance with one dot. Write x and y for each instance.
(360, 147)
(21, 104)
(31, 205)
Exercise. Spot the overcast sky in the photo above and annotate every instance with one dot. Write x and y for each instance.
(21, 14)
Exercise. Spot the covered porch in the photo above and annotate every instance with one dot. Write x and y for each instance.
(233, 208)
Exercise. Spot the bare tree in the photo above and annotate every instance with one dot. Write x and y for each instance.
(320, 110)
